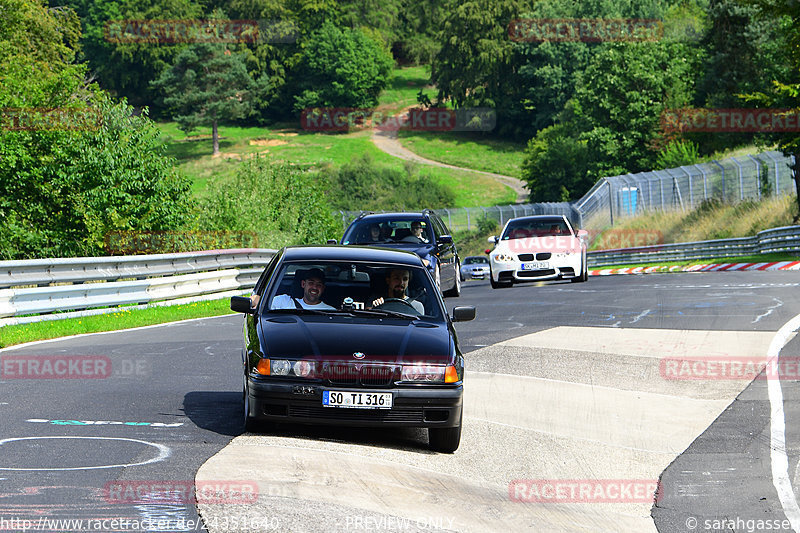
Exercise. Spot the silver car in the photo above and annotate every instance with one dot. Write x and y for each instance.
(474, 267)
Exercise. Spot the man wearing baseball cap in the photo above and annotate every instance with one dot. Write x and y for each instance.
(313, 284)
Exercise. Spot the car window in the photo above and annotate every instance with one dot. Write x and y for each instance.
(526, 228)
(386, 231)
(363, 283)
(475, 260)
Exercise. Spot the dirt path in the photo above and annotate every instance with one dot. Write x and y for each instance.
(387, 141)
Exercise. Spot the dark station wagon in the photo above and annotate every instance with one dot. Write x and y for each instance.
(352, 336)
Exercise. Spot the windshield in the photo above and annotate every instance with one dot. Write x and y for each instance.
(476, 260)
(370, 290)
(525, 228)
(410, 230)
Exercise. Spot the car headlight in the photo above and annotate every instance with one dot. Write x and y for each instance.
(284, 367)
(503, 258)
(423, 373)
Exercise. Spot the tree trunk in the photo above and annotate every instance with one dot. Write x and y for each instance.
(215, 136)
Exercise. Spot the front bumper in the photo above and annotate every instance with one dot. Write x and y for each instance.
(567, 268)
(299, 402)
(475, 273)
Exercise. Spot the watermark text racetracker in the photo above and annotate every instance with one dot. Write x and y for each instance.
(418, 119)
(537, 30)
(731, 120)
(729, 368)
(174, 31)
(70, 367)
(50, 119)
(584, 490)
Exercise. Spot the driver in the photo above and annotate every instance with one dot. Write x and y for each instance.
(416, 235)
(313, 285)
(396, 283)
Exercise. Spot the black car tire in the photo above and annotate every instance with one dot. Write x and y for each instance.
(498, 284)
(445, 440)
(455, 292)
(250, 423)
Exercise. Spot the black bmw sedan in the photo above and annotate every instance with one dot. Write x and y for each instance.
(352, 336)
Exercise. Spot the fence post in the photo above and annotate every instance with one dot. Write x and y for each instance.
(610, 202)
(723, 176)
(467, 210)
(758, 175)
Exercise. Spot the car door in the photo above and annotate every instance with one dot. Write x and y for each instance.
(447, 254)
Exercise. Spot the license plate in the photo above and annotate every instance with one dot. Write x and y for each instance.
(357, 400)
(535, 266)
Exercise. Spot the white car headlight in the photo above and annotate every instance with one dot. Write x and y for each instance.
(428, 373)
(503, 258)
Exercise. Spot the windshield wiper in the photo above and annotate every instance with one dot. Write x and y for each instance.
(305, 311)
(383, 312)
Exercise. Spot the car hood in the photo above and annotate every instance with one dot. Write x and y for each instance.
(554, 244)
(303, 336)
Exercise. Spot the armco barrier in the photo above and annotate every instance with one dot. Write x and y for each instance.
(91, 282)
(782, 240)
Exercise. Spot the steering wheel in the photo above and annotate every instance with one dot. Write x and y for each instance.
(390, 304)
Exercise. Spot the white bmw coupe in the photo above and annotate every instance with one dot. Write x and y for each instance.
(540, 247)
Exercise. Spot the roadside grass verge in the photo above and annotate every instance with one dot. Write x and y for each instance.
(712, 220)
(316, 151)
(763, 258)
(124, 319)
(469, 150)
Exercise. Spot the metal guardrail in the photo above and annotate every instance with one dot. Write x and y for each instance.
(783, 240)
(49, 285)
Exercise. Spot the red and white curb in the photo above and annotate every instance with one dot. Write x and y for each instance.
(715, 267)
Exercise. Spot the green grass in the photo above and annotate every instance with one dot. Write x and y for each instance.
(316, 150)
(403, 87)
(764, 258)
(469, 150)
(125, 318)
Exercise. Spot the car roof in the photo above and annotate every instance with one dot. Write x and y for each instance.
(402, 214)
(540, 217)
(333, 252)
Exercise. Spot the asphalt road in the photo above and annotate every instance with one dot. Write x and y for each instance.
(566, 384)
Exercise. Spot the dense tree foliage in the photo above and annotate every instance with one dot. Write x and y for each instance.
(94, 167)
(341, 68)
(208, 84)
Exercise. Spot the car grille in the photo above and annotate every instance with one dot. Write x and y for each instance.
(357, 374)
(535, 273)
(542, 256)
(377, 415)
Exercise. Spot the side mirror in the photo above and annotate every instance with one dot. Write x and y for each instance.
(241, 304)
(493, 239)
(463, 313)
(332, 241)
(446, 239)
(582, 233)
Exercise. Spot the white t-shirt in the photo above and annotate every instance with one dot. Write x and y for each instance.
(284, 301)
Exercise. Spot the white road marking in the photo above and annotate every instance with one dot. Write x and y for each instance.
(641, 316)
(163, 453)
(769, 311)
(780, 461)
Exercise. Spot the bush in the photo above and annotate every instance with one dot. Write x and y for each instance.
(361, 184)
(341, 67)
(282, 204)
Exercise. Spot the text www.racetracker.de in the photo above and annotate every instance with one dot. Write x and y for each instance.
(98, 524)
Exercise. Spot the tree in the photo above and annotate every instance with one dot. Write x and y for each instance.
(341, 67)
(785, 92)
(65, 186)
(208, 84)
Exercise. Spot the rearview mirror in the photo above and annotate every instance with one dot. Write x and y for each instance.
(333, 241)
(242, 304)
(463, 313)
